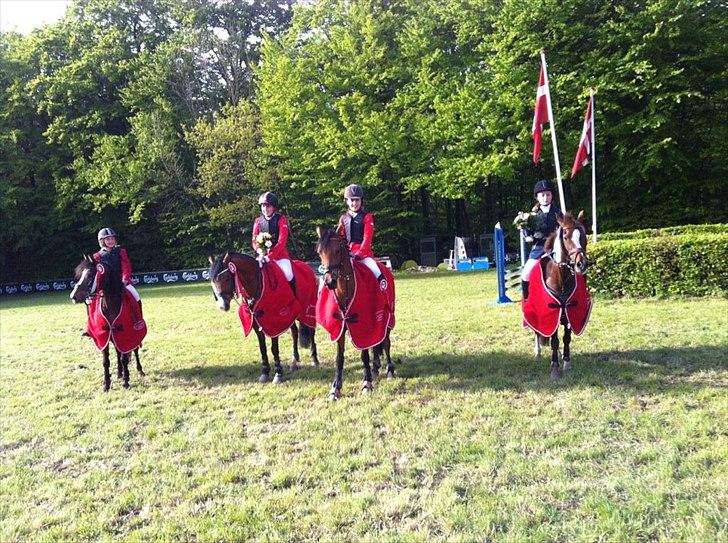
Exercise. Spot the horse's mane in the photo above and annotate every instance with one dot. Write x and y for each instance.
(325, 239)
(82, 267)
(217, 266)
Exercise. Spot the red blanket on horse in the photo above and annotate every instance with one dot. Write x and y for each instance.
(126, 332)
(277, 308)
(369, 314)
(542, 310)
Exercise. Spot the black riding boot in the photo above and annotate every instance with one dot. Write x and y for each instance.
(524, 288)
(141, 313)
(292, 282)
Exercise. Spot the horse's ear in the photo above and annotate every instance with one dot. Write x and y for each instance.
(211, 259)
(226, 257)
(580, 216)
(319, 230)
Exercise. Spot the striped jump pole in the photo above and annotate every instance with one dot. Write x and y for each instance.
(507, 279)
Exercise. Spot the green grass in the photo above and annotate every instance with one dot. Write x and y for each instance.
(472, 441)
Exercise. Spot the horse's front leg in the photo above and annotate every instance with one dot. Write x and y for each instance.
(125, 368)
(265, 365)
(567, 350)
(335, 392)
(314, 349)
(296, 358)
(107, 372)
(556, 372)
(278, 377)
(387, 348)
(138, 363)
(366, 386)
(119, 366)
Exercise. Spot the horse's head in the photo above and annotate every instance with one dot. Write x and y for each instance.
(223, 272)
(570, 242)
(332, 250)
(85, 277)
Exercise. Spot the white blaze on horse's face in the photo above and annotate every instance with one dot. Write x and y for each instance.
(219, 298)
(83, 280)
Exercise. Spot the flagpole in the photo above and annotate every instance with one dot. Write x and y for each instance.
(553, 132)
(594, 169)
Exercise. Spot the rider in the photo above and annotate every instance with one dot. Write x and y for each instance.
(116, 258)
(276, 225)
(358, 227)
(546, 212)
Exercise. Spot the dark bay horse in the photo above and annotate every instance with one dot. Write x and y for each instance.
(567, 258)
(110, 291)
(339, 277)
(224, 290)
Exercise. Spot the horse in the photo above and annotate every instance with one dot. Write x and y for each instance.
(110, 290)
(248, 272)
(562, 269)
(339, 277)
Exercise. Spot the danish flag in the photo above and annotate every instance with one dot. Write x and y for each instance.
(541, 113)
(584, 152)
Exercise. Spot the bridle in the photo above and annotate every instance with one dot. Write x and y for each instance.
(573, 254)
(337, 272)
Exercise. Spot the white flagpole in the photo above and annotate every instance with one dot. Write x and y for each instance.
(594, 169)
(552, 125)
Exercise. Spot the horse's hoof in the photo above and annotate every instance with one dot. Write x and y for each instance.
(334, 395)
(567, 365)
(295, 366)
(315, 362)
(263, 378)
(390, 374)
(367, 387)
(277, 378)
(125, 385)
(141, 373)
(375, 372)
(556, 375)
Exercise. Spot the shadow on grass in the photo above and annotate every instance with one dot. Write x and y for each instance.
(641, 370)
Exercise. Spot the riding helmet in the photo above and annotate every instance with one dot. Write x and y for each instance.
(268, 198)
(354, 191)
(542, 186)
(106, 233)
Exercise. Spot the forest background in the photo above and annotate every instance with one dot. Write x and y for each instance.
(165, 119)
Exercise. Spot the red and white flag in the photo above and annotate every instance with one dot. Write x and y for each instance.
(584, 152)
(541, 113)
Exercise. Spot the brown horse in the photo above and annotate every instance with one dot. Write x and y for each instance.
(339, 277)
(110, 290)
(566, 258)
(224, 290)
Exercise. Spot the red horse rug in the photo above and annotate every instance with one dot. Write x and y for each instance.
(277, 308)
(369, 314)
(542, 310)
(126, 332)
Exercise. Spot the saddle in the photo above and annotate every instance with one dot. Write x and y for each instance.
(126, 332)
(278, 308)
(542, 311)
(370, 312)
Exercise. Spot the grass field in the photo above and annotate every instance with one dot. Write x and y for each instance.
(472, 441)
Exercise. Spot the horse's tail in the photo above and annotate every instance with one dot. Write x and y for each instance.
(305, 335)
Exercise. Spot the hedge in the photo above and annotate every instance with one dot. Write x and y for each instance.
(694, 264)
(719, 228)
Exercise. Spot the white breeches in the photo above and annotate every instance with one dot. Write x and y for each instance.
(134, 292)
(285, 265)
(370, 263)
(527, 267)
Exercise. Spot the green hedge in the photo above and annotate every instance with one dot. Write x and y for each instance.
(720, 228)
(695, 264)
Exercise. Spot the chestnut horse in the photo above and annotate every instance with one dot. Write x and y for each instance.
(566, 257)
(224, 290)
(339, 277)
(110, 290)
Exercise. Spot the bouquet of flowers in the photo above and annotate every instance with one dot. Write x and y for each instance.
(264, 242)
(526, 221)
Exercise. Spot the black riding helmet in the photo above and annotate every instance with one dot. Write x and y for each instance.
(354, 191)
(268, 198)
(542, 186)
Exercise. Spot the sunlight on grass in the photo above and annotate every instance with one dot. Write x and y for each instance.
(471, 441)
